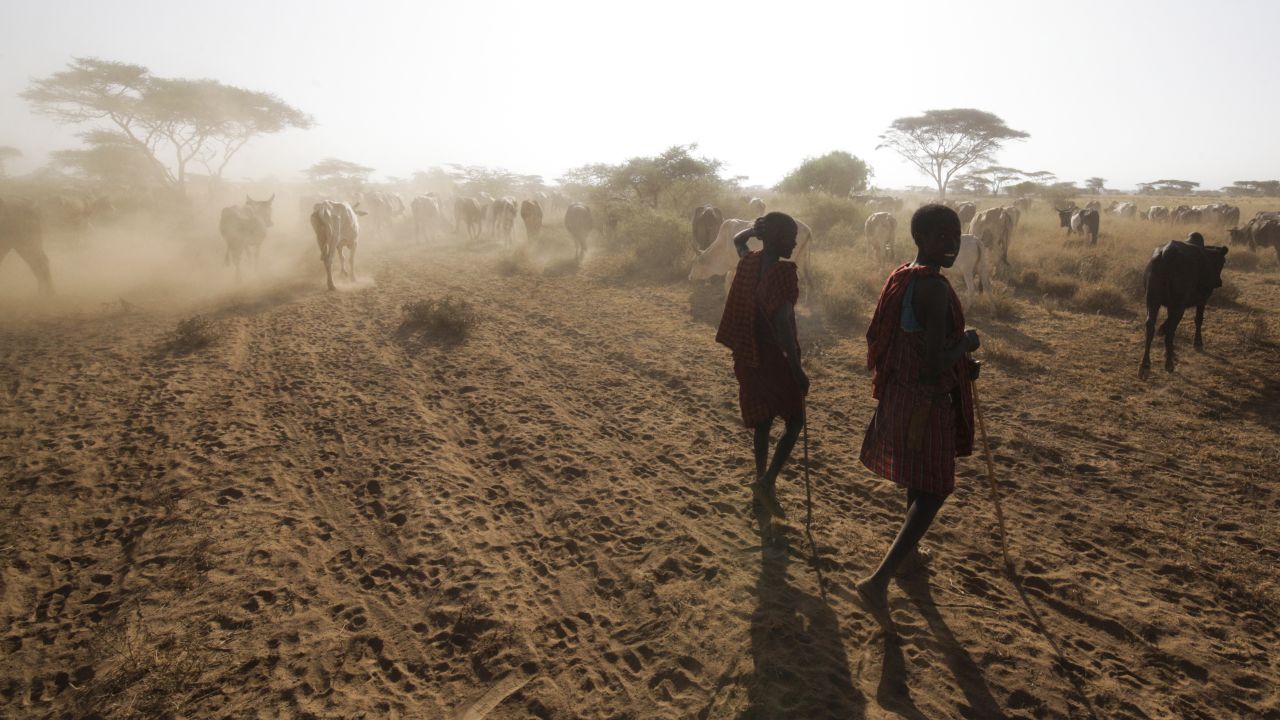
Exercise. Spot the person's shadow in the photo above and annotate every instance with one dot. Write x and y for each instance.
(801, 668)
(893, 693)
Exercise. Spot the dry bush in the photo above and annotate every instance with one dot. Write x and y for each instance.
(1226, 296)
(1254, 333)
(1058, 287)
(825, 213)
(448, 319)
(1131, 281)
(141, 671)
(1102, 300)
(191, 334)
(846, 287)
(650, 245)
(998, 306)
(1243, 260)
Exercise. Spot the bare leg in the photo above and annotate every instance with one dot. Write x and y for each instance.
(1169, 331)
(920, 516)
(761, 444)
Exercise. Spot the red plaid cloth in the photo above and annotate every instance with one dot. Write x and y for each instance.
(766, 386)
(896, 357)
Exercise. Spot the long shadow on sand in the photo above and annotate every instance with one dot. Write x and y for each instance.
(959, 662)
(801, 667)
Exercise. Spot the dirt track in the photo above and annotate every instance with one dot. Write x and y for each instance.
(319, 517)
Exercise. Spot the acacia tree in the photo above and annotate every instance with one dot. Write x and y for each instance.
(1257, 188)
(1168, 187)
(942, 142)
(341, 176)
(837, 173)
(174, 121)
(110, 158)
(1095, 185)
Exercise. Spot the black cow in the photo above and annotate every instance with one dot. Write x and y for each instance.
(706, 223)
(1080, 221)
(1178, 276)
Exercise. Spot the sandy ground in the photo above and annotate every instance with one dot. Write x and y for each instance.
(318, 516)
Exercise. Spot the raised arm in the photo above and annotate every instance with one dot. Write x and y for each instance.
(740, 240)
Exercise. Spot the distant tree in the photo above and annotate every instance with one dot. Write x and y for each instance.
(495, 181)
(971, 183)
(1255, 188)
(110, 158)
(338, 175)
(837, 173)
(998, 176)
(675, 176)
(7, 154)
(434, 179)
(1095, 185)
(175, 121)
(942, 142)
(1168, 187)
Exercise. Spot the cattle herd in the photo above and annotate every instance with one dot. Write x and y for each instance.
(1180, 275)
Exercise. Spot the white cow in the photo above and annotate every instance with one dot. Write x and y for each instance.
(336, 228)
(426, 216)
(722, 258)
(972, 264)
(880, 229)
(756, 205)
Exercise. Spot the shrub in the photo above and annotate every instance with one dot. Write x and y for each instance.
(1243, 260)
(1254, 333)
(845, 292)
(652, 244)
(994, 306)
(446, 319)
(823, 213)
(843, 235)
(1132, 283)
(1226, 296)
(191, 334)
(1099, 299)
(1059, 287)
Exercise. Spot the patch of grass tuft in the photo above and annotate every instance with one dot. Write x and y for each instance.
(447, 319)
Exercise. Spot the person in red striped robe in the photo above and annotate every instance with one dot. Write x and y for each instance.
(917, 349)
(759, 326)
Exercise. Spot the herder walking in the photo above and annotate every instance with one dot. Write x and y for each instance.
(917, 349)
(759, 326)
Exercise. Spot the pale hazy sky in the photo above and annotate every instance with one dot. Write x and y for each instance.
(1131, 91)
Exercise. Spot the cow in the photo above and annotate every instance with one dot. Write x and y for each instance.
(243, 228)
(1262, 231)
(1125, 210)
(1186, 215)
(63, 212)
(994, 227)
(468, 211)
(426, 217)
(531, 214)
(1221, 213)
(756, 206)
(382, 209)
(1014, 213)
(706, 223)
(1079, 221)
(1093, 205)
(1023, 203)
(880, 229)
(579, 223)
(336, 228)
(966, 211)
(22, 231)
(721, 258)
(973, 265)
(1158, 213)
(504, 212)
(1178, 276)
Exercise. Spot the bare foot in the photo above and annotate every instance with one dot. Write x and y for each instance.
(767, 499)
(874, 596)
